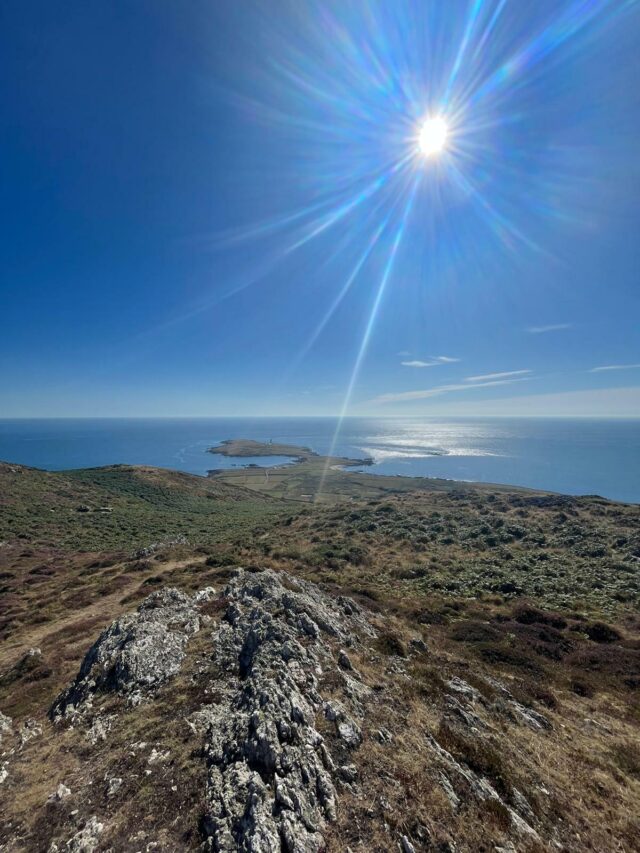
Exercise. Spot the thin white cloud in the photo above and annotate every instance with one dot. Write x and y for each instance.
(406, 396)
(434, 361)
(404, 353)
(554, 327)
(598, 402)
(614, 367)
(489, 376)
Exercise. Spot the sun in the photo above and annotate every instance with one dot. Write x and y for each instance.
(434, 134)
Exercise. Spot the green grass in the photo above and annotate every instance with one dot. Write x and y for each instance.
(475, 544)
(121, 507)
(539, 591)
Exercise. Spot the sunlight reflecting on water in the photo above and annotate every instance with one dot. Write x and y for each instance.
(573, 456)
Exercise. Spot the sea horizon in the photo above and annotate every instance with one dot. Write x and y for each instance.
(323, 417)
(577, 456)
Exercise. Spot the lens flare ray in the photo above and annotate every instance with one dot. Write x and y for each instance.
(372, 98)
(364, 343)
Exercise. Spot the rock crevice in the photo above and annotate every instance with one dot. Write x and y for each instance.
(271, 779)
(270, 773)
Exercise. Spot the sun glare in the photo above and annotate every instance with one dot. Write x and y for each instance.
(433, 136)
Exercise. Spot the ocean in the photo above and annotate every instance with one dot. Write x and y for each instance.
(562, 455)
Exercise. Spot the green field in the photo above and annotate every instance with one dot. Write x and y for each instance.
(124, 507)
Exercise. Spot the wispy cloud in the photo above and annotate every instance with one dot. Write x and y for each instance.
(614, 367)
(434, 361)
(598, 402)
(404, 353)
(554, 327)
(488, 376)
(406, 396)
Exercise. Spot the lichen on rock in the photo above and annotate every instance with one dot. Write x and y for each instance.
(271, 776)
(271, 780)
(136, 652)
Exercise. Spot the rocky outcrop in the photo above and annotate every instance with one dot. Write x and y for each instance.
(276, 742)
(136, 652)
(462, 709)
(271, 776)
(86, 840)
(6, 726)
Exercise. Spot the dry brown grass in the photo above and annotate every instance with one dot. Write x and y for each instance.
(581, 778)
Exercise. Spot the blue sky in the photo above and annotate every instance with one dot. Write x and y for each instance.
(220, 208)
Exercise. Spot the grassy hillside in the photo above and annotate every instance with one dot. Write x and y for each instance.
(492, 585)
(123, 507)
(565, 552)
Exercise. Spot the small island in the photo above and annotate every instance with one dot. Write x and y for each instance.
(242, 447)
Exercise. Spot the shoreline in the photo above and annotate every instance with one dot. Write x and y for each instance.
(323, 474)
(310, 476)
(567, 458)
(327, 472)
(239, 448)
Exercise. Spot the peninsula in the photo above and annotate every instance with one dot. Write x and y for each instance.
(324, 479)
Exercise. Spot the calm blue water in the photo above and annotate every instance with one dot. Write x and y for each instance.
(572, 456)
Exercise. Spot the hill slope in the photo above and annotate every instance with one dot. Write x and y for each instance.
(460, 668)
(121, 506)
